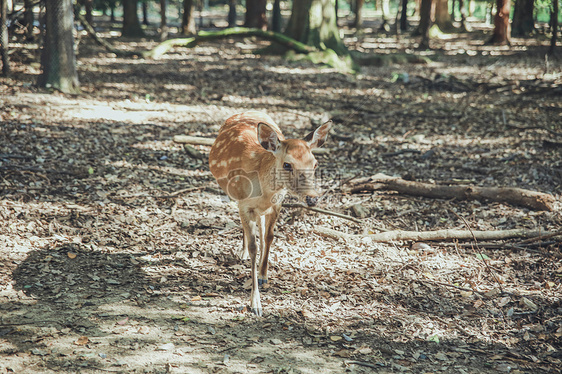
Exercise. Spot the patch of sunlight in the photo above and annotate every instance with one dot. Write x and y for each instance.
(296, 70)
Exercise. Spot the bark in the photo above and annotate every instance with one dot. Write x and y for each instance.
(29, 18)
(462, 10)
(501, 23)
(89, 7)
(385, 10)
(404, 16)
(163, 20)
(425, 23)
(58, 59)
(447, 234)
(359, 13)
(442, 15)
(232, 13)
(523, 22)
(255, 14)
(276, 21)
(313, 22)
(144, 6)
(554, 26)
(188, 18)
(131, 24)
(4, 38)
(515, 196)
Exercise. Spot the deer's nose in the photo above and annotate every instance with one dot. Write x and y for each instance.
(311, 201)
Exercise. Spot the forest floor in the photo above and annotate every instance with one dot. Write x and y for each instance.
(118, 254)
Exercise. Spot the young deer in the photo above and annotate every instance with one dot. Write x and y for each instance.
(255, 165)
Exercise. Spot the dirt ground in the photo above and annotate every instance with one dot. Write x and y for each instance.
(118, 253)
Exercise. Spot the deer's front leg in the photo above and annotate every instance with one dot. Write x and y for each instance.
(269, 230)
(250, 231)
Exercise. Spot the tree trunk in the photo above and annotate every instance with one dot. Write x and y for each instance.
(131, 23)
(232, 13)
(277, 20)
(501, 23)
(188, 18)
(425, 23)
(404, 16)
(358, 23)
(554, 26)
(89, 7)
(112, 12)
(144, 6)
(29, 18)
(313, 22)
(163, 21)
(4, 38)
(523, 22)
(255, 14)
(442, 15)
(385, 10)
(462, 10)
(58, 59)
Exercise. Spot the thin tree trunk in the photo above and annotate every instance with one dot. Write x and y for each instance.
(4, 38)
(58, 59)
(358, 23)
(232, 13)
(462, 10)
(29, 18)
(255, 14)
(404, 16)
(131, 23)
(425, 23)
(188, 18)
(501, 23)
(145, 13)
(442, 15)
(313, 22)
(89, 7)
(163, 20)
(554, 26)
(523, 22)
(385, 10)
(276, 21)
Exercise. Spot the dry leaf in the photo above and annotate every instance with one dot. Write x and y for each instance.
(83, 340)
(335, 338)
(196, 298)
(71, 255)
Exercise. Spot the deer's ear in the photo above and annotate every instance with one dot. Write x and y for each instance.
(268, 137)
(318, 137)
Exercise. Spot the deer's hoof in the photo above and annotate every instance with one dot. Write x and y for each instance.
(262, 281)
(257, 311)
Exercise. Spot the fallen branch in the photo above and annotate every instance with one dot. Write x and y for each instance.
(196, 140)
(202, 36)
(447, 234)
(511, 195)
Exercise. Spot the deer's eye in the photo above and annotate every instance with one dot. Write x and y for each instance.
(287, 166)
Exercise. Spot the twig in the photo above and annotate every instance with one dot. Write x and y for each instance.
(523, 128)
(361, 363)
(323, 211)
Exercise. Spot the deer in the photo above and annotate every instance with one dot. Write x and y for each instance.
(256, 166)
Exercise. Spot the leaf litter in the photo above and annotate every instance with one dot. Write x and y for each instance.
(103, 268)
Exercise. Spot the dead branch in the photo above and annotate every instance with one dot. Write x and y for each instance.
(447, 234)
(510, 195)
(202, 36)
